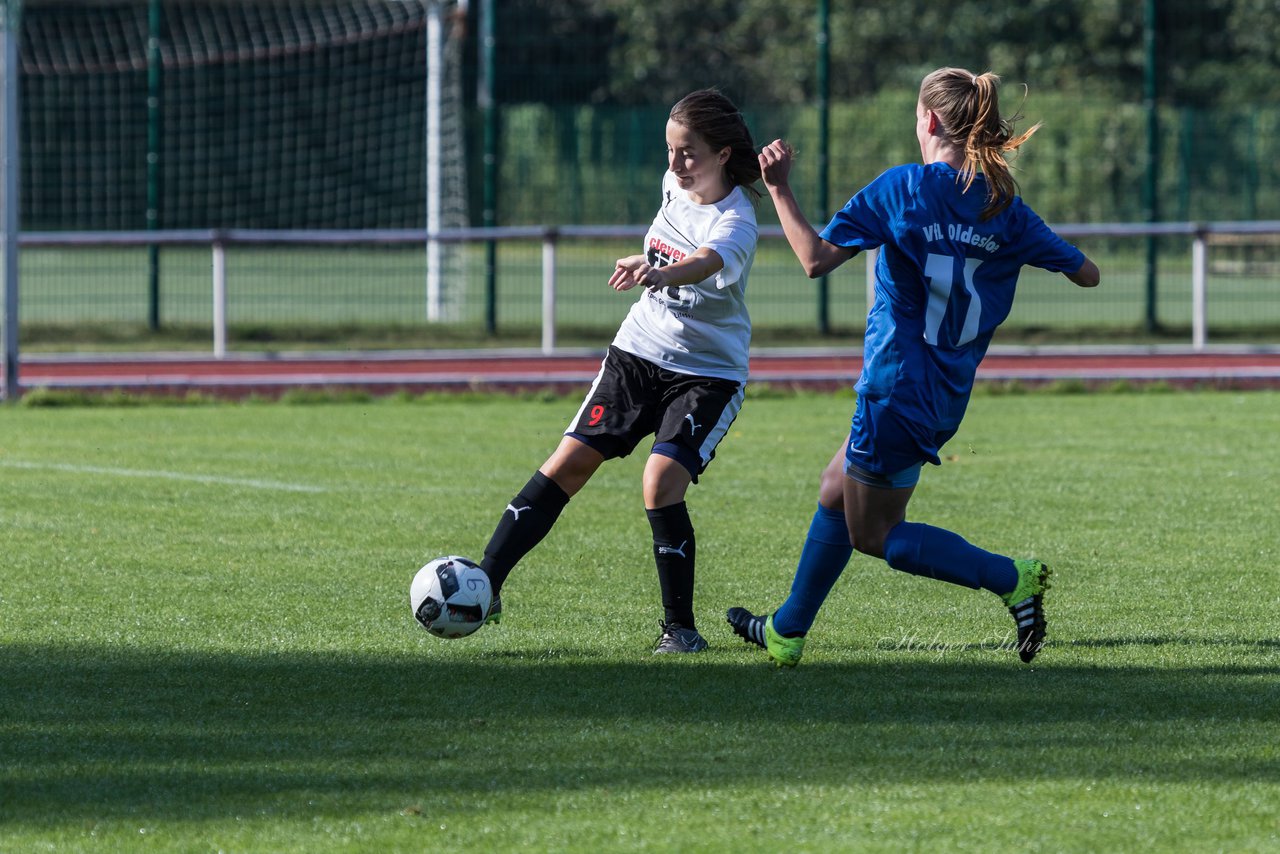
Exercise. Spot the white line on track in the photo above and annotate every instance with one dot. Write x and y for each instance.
(217, 480)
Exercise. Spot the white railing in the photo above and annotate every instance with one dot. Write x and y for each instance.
(219, 239)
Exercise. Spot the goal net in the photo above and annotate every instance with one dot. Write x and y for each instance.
(246, 114)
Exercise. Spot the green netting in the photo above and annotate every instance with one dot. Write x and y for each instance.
(295, 115)
(298, 114)
(267, 115)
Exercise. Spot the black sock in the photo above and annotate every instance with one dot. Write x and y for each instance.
(524, 523)
(673, 551)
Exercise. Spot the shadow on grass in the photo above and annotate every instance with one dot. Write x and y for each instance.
(97, 733)
(1173, 640)
(912, 642)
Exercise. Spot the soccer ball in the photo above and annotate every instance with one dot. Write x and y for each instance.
(450, 597)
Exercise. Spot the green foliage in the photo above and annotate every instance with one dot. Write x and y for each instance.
(1084, 165)
(313, 396)
(623, 51)
(1083, 62)
(55, 398)
(205, 639)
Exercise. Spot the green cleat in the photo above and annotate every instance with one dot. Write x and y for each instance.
(785, 652)
(759, 630)
(1026, 603)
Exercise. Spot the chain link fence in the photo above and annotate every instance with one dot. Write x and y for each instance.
(331, 115)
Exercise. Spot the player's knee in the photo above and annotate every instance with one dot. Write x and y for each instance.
(666, 480)
(868, 539)
(869, 547)
(572, 465)
(661, 490)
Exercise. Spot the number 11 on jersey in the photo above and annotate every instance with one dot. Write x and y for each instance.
(941, 271)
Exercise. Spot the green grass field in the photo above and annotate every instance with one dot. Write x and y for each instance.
(206, 644)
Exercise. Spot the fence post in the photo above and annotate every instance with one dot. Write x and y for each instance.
(431, 143)
(549, 291)
(10, 183)
(219, 299)
(1199, 282)
(1151, 173)
(155, 19)
(824, 149)
(489, 113)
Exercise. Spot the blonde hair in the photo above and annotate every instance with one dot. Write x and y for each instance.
(968, 106)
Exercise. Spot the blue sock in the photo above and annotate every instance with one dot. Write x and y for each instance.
(937, 553)
(825, 553)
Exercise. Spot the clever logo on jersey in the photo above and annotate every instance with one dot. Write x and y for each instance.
(663, 254)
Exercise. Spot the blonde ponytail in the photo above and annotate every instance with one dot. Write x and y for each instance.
(968, 106)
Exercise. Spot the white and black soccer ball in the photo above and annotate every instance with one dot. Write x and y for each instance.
(450, 597)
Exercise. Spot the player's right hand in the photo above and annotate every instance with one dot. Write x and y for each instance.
(775, 163)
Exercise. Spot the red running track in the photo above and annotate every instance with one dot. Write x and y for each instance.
(240, 374)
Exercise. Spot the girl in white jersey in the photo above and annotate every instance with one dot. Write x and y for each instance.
(677, 366)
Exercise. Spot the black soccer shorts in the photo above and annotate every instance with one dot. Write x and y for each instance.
(631, 398)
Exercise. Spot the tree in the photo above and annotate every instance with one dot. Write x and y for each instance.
(763, 52)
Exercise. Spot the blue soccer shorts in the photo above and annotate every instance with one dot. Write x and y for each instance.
(884, 451)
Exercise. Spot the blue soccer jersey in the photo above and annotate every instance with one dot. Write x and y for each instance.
(944, 281)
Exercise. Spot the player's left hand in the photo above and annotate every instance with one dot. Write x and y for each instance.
(635, 270)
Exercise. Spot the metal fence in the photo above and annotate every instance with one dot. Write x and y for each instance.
(151, 115)
(1218, 279)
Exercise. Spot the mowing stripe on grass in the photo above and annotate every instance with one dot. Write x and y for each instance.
(217, 480)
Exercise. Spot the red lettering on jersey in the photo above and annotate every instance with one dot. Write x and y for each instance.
(667, 252)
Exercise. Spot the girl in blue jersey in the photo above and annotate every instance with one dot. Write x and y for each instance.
(953, 235)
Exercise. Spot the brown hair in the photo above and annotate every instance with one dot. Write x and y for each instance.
(712, 116)
(969, 108)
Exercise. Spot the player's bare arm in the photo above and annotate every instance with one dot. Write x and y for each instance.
(817, 256)
(1087, 276)
(636, 270)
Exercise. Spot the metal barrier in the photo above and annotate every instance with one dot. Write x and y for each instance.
(551, 237)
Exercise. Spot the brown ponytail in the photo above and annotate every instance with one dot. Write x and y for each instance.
(712, 116)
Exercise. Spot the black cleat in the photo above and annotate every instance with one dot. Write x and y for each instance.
(676, 638)
(747, 626)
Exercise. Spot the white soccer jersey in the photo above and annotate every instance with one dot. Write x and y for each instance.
(701, 329)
